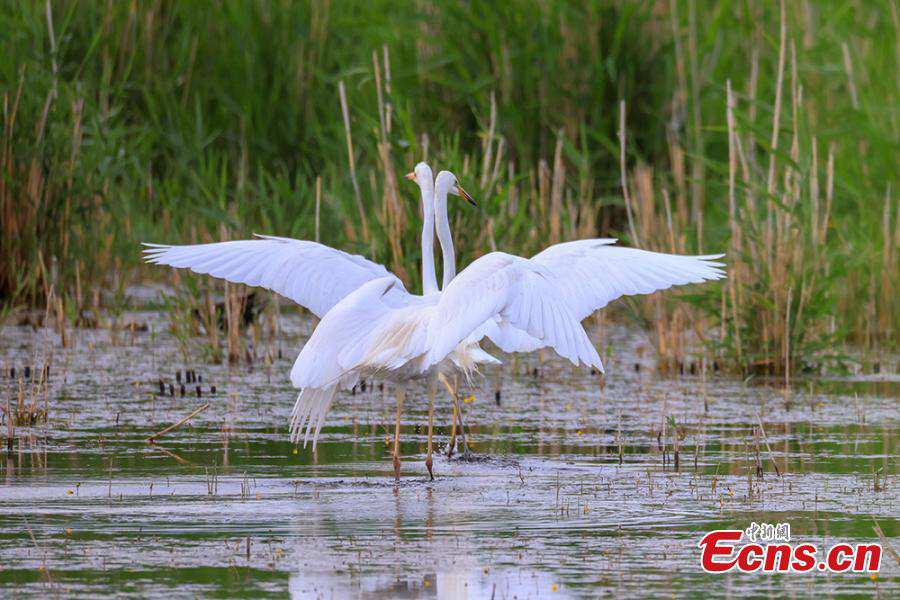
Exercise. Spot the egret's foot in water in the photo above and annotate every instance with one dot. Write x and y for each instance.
(396, 468)
(479, 458)
(470, 456)
(428, 464)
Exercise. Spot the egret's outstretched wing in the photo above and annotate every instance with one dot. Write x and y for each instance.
(592, 273)
(522, 293)
(311, 274)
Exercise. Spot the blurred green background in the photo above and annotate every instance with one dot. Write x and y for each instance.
(197, 121)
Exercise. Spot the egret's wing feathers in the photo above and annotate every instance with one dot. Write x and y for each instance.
(592, 273)
(505, 336)
(521, 293)
(363, 333)
(311, 274)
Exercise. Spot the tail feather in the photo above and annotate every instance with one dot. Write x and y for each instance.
(310, 409)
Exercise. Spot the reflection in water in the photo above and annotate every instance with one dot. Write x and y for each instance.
(449, 585)
(581, 495)
(429, 513)
(418, 558)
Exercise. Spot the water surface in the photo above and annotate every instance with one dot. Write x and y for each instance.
(580, 495)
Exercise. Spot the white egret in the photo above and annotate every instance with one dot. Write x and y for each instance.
(506, 338)
(577, 264)
(365, 337)
(470, 353)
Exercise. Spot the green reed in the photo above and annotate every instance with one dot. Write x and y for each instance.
(179, 122)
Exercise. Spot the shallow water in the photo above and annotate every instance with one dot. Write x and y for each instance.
(576, 499)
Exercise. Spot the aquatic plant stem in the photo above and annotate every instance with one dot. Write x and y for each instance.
(762, 430)
(152, 438)
(885, 543)
(10, 427)
(624, 175)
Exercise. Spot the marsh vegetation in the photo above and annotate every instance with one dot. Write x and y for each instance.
(767, 132)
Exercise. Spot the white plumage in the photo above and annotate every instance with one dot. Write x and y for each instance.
(313, 275)
(520, 292)
(592, 273)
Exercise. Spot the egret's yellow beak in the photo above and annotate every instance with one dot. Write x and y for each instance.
(461, 192)
(411, 176)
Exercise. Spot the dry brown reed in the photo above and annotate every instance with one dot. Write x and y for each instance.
(177, 424)
(773, 264)
(351, 162)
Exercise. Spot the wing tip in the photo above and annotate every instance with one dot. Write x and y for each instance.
(274, 238)
(153, 253)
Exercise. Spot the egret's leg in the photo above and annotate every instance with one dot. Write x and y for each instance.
(462, 426)
(400, 397)
(455, 405)
(428, 460)
(452, 443)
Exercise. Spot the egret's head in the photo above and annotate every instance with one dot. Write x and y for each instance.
(422, 176)
(447, 181)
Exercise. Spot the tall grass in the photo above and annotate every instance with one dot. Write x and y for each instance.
(128, 121)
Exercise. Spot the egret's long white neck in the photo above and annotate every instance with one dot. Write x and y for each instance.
(442, 225)
(429, 278)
